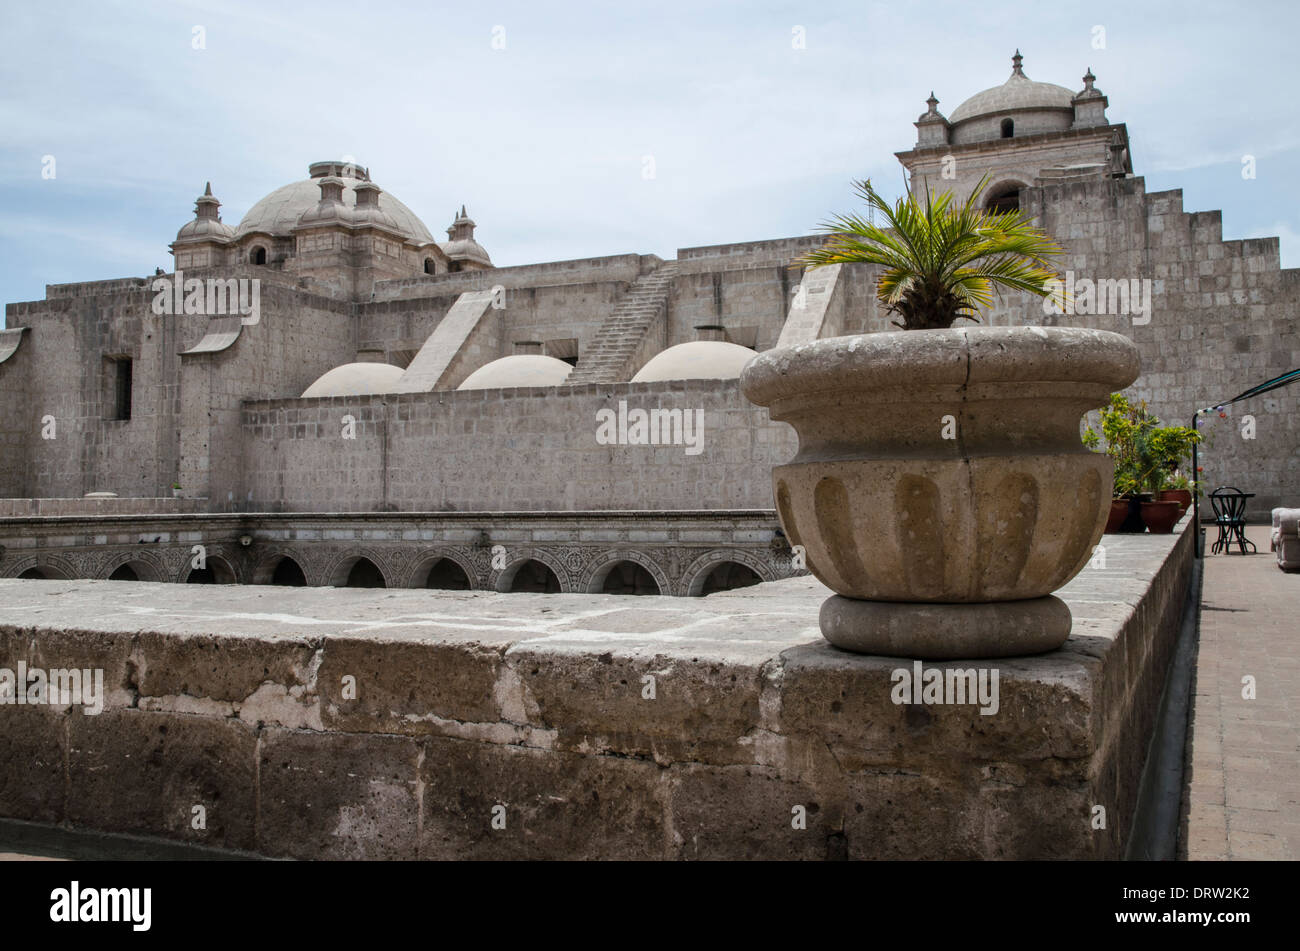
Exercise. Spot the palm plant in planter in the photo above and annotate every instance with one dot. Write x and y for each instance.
(940, 486)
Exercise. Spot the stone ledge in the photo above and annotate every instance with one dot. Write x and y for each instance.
(235, 698)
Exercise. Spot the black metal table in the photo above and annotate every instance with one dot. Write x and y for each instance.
(1229, 505)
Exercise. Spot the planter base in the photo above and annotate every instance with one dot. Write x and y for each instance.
(946, 631)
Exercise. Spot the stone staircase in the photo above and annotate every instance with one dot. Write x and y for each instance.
(609, 357)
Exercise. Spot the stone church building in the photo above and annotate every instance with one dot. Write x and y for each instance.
(342, 398)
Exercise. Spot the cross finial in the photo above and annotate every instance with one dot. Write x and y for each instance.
(932, 103)
(1015, 64)
(1088, 79)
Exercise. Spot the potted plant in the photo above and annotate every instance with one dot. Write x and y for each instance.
(1146, 455)
(1123, 508)
(176, 490)
(1180, 491)
(940, 487)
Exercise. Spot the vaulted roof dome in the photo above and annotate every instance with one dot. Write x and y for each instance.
(1018, 92)
(697, 360)
(356, 379)
(280, 211)
(522, 369)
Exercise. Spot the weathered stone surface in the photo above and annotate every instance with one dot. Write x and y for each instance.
(551, 804)
(409, 685)
(33, 749)
(337, 795)
(142, 772)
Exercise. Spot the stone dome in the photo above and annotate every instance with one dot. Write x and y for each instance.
(280, 211)
(206, 224)
(697, 360)
(522, 369)
(461, 246)
(1019, 92)
(205, 228)
(356, 379)
(466, 250)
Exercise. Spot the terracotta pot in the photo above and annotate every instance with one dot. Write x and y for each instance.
(1133, 524)
(1118, 512)
(943, 467)
(1161, 517)
(1182, 496)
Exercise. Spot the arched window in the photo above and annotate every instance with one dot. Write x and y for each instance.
(446, 575)
(289, 573)
(1004, 199)
(364, 573)
(258, 255)
(1008, 128)
(428, 266)
(627, 577)
(534, 577)
(453, 267)
(729, 575)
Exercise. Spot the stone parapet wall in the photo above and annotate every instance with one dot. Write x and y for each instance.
(530, 448)
(401, 724)
(678, 549)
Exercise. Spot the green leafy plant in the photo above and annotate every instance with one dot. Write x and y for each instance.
(942, 261)
(1146, 454)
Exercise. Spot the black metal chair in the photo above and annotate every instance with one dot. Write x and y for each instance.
(1229, 505)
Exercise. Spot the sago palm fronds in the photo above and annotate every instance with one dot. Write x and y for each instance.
(942, 261)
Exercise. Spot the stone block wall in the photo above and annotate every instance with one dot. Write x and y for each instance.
(506, 450)
(400, 724)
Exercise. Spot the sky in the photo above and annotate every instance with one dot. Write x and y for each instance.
(577, 130)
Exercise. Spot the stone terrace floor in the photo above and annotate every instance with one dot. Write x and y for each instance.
(1242, 793)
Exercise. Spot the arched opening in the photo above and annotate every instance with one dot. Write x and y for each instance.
(428, 266)
(728, 575)
(258, 255)
(34, 572)
(534, 577)
(1005, 199)
(215, 571)
(288, 573)
(446, 575)
(453, 267)
(1008, 128)
(124, 572)
(364, 573)
(628, 577)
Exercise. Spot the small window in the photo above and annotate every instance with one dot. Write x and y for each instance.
(428, 266)
(258, 256)
(453, 267)
(1008, 128)
(119, 381)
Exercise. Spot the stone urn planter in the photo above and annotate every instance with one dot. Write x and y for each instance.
(941, 487)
